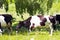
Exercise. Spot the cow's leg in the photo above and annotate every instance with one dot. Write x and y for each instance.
(9, 25)
(17, 28)
(1, 29)
(0, 25)
(31, 27)
(51, 29)
(54, 26)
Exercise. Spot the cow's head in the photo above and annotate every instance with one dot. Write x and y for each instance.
(20, 24)
(26, 23)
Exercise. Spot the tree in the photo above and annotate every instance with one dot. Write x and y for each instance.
(49, 5)
(1, 3)
(6, 5)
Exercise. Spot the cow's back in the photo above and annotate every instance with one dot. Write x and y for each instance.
(8, 17)
(5, 19)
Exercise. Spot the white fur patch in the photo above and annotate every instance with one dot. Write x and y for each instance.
(36, 20)
(2, 21)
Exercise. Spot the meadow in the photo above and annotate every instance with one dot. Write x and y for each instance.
(42, 35)
(23, 34)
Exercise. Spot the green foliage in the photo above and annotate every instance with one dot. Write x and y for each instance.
(1, 3)
(43, 6)
(32, 6)
(49, 4)
(55, 7)
(20, 5)
(6, 5)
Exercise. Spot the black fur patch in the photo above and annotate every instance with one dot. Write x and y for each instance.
(8, 18)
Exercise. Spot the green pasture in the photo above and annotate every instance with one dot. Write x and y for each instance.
(41, 35)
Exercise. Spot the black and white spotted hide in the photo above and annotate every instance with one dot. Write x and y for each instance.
(6, 21)
(37, 20)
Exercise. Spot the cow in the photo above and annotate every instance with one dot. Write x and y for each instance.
(5, 22)
(37, 20)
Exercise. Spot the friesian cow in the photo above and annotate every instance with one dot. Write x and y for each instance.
(5, 21)
(35, 21)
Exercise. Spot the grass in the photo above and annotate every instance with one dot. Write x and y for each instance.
(35, 35)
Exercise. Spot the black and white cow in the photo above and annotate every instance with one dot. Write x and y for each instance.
(5, 21)
(35, 21)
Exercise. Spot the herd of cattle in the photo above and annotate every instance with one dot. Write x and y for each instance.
(30, 23)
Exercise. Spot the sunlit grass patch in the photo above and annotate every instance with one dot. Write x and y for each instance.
(36, 35)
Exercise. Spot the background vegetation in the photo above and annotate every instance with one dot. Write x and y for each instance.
(30, 7)
(22, 9)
